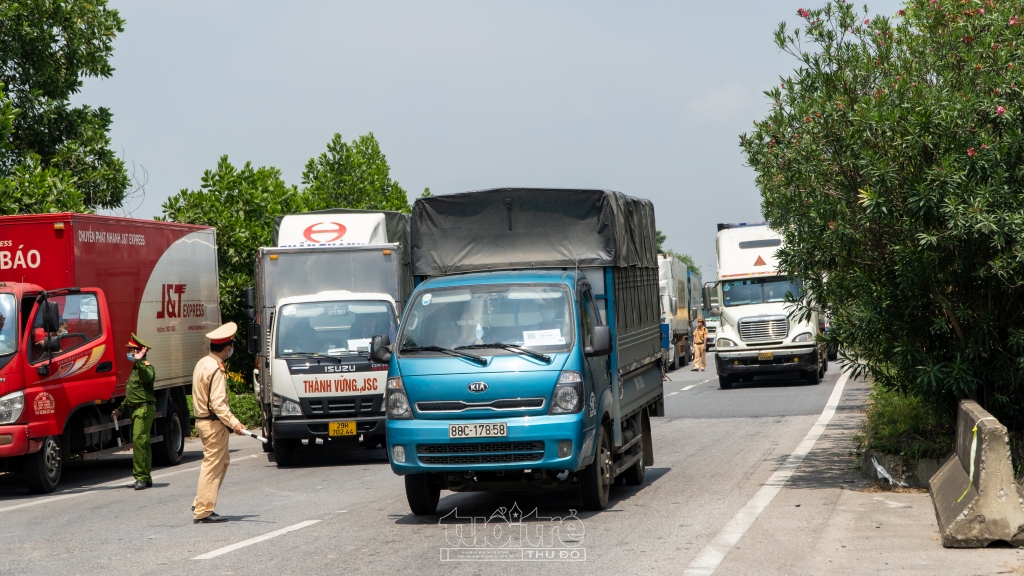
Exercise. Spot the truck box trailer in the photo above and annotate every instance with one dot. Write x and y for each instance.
(681, 291)
(529, 355)
(73, 289)
(336, 279)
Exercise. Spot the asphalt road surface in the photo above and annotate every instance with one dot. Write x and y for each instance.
(347, 513)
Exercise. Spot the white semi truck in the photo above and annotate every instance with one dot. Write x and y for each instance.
(333, 281)
(757, 333)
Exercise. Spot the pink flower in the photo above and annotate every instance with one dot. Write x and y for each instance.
(1000, 110)
(831, 226)
(867, 21)
(1013, 21)
(984, 146)
(981, 10)
(802, 13)
(971, 152)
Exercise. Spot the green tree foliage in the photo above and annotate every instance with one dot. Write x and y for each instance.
(352, 175)
(659, 240)
(241, 204)
(892, 162)
(46, 49)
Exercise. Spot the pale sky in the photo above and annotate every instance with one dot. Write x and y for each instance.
(647, 98)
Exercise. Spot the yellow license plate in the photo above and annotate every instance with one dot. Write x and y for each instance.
(765, 355)
(341, 429)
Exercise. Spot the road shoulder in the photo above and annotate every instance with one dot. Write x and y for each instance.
(825, 521)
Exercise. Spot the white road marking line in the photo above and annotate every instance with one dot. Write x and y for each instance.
(257, 539)
(708, 560)
(98, 487)
(697, 384)
(673, 393)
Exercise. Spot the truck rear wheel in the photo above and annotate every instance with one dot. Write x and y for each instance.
(168, 452)
(42, 469)
(284, 452)
(596, 479)
(634, 476)
(422, 494)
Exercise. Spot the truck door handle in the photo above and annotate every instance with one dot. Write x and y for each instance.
(105, 367)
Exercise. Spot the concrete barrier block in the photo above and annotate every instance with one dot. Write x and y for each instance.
(976, 499)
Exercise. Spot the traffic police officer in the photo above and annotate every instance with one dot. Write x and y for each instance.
(213, 421)
(140, 403)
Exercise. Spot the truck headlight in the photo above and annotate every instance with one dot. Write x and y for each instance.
(568, 395)
(282, 406)
(805, 337)
(11, 407)
(724, 343)
(396, 400)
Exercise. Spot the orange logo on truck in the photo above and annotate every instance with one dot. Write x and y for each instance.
(335, 229)
(760, 262)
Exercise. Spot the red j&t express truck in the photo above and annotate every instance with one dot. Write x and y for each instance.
(73, 288)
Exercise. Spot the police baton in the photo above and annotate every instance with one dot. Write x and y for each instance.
(254, 435)
(117, 428)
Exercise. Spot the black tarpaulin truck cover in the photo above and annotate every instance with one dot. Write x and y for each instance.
(517, 228)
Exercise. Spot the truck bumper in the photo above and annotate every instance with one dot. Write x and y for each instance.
(784, 360)
(13, 441)
(532, 443)
(313, 428)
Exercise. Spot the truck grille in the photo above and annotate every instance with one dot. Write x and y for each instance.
(764, 328)
(480, 453)
(459, 406)
(342, 406)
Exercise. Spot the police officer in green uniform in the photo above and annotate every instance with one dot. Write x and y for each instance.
(140, 403)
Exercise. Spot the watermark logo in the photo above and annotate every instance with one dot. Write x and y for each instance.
(509, 535)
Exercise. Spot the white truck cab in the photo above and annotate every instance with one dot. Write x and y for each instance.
(756, 332)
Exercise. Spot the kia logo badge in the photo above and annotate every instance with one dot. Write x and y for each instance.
(477, 386)
(335, 230)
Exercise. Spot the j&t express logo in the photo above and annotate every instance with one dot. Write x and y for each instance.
(171, 305)
(326, 233)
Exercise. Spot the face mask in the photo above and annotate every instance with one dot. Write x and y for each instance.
(231, 351)
(131, 357)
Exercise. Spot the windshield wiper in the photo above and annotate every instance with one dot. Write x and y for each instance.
(509, 347)
(449, 351)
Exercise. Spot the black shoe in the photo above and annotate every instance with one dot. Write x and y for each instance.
(140, 485)
(213, 518)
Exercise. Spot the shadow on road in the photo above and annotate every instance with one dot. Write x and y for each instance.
(545, 505)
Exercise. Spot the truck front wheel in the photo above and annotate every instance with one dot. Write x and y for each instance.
(596, 479)
(42, 469)
(725, 381)
(168, 452)
(422, 494)
(813, 376)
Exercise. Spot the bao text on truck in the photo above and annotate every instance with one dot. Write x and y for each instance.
(529, 355)
(335, 279)
(759, 333)
(73, 288)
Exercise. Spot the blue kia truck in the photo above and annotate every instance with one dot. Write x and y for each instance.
(529, 354)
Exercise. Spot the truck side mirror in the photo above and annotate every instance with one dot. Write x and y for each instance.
(254, 339)
(51, 316)
(380, 351)
(706, 297)
(52, 344)
(250, 297)
(600, 342)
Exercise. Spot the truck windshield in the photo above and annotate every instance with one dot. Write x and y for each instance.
(758, 290)
(332, 328)
(536, 317)
(8, 324)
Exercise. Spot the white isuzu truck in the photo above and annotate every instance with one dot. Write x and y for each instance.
(333, 281)
(757, 334)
